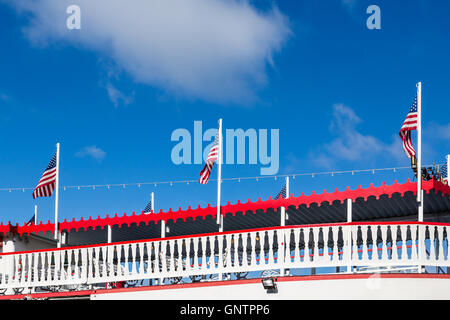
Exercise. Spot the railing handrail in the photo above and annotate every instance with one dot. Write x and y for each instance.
(270, 251)
(227, 232)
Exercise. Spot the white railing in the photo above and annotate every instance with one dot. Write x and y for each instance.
(334, 245)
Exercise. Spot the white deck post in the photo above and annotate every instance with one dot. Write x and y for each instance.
(57, 235)
(281, 249)
(163, 232)
(219, 178)
(419, 152)
(349, 233)
(419, 172)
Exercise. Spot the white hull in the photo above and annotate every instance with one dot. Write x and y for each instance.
(328, 287)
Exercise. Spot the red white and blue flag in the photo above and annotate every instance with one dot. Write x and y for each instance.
(213, 155)
(31, 221)
(409, 124)
(148, 207)
(47, 183)
(282, 193)
(444, 172)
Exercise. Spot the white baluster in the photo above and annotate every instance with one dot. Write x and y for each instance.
(211, 261)
(440, 257)
(84, 264)
(395, 245)
(203, 242)
(228, 258)
(432, 256)
(414, 248)
(375, 256)
(354, 238)
(294, 254)
(163, 257)
(17, 267)
(141, 248)
(27, 268)
(253, 249)
(157, 257)
(111, 250)
(89, 264)
(36, 268)
(146, 247)
(196, 257)
(180, 256)
(245, 255)
(271, 243)
(132, 247)
(316, 256)
(384, 251)
(421, 245)
(76, 264)
(326, 255)
(220, 262)
(444, 255)
(334, 249)
(58, 270)
(282, 251)
(404, 247)
(306, 251)
(171, 259)
(69, 265)
(235, 241)
(365, 253)
(103, 262)
(49, 266)
(97, 265)
(126, 252)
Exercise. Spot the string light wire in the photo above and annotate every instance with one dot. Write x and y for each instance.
(171, 183)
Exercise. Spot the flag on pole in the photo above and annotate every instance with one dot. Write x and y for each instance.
(148, 207)
(31, 221)
(409, 124)
(282, 193)
(443, 172)
(47, 183)
(213, 155)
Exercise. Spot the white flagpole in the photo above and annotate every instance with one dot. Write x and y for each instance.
(56, 195)
(419, 152)
(35, 214)
(153, 202)
(287, 187)
(219, 177)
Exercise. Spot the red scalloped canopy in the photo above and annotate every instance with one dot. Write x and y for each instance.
(199, 212)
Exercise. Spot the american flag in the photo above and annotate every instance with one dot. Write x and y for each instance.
(31, 221)
(444, 174)
(405, 132)
(213, 155)
(148, 207)
(282, 193)
(47, 183)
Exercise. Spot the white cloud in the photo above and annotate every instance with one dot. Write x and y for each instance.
(349, 4)
(4, 97)
(93, 152)
(215, 50)
(117, 97)
(352, 146)
(439, 131)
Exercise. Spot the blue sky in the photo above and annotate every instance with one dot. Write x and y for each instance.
(113, 92)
